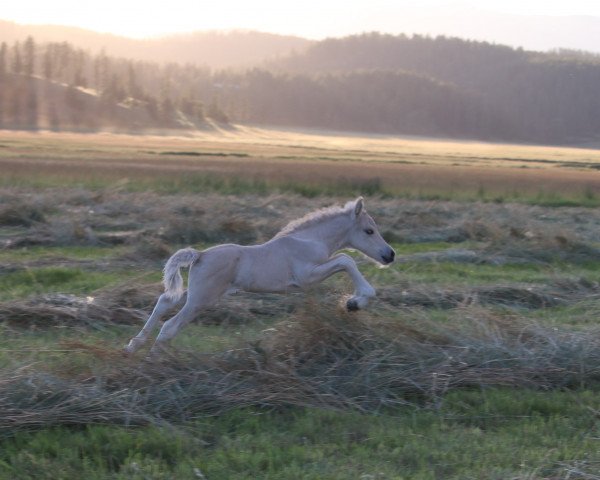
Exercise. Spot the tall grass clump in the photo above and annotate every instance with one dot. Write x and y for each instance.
(19, 213)
(321, 357)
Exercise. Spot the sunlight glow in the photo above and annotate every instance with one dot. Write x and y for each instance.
(310, 18)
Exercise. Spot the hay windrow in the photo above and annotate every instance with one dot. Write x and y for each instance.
(130, 304)
(370, 361)
(16, 212)
(118, 216)
(126, 304)
(320, 357)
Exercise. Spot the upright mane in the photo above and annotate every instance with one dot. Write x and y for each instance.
(315, 217)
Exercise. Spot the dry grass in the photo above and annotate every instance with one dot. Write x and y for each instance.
(320, 357)
(156, 223)
(254, 159)
(130, 304)
(294, 142)
(254, 173)
(126, 304)
(16, 212)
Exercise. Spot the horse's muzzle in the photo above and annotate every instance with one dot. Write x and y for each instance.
(388, 257)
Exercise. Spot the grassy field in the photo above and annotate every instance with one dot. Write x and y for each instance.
(480, 358)
(259, 161)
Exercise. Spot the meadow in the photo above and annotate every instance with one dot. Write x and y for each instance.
(480, 357)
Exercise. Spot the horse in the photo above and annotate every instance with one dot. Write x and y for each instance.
(302, 254)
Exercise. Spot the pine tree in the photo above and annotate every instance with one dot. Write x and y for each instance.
(3, 55)
(79, 79)
(31, 105)
(48, 62)
(3, 50)
(133, 87)
(29, 56)
(17, 61)
(102, 66)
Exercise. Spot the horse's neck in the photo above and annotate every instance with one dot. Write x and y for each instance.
(333, 233)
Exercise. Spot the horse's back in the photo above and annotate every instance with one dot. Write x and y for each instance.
(272, 266)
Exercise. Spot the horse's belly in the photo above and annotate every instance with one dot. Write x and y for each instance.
(258, 277)
(268, 285)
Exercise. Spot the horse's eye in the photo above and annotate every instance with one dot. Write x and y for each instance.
(369, 231)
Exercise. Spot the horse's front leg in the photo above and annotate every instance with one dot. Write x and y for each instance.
(363, 291)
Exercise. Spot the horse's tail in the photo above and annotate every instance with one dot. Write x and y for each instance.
(172, 279)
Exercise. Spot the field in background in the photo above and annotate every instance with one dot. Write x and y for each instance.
(480, 357)
(257, 161)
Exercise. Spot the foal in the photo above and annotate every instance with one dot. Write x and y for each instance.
(300, 255)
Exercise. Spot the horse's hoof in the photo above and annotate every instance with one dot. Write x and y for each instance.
(352, 305)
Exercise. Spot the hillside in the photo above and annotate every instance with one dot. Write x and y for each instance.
(517, 95)
(377, 83)
(212, 49)
(32, 103)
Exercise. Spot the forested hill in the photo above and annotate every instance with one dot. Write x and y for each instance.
(371, 83)
(550, 97)
(213, 49)
(450, 59)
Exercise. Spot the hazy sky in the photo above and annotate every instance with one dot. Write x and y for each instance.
(308, 18)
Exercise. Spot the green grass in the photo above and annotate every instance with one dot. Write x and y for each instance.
(31, 281)
(467, 434)
(423, 247)
(81, 252)
(48, 346)
(494, 434)
(446, 274)
(583, 314)
(235, 185)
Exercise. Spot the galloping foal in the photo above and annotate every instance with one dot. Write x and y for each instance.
(300, 255)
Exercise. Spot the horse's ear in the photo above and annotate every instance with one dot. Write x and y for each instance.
(358, 207)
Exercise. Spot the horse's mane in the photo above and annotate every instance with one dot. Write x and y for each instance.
(316, 217)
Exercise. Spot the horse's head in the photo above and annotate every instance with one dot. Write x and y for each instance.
(365, 237)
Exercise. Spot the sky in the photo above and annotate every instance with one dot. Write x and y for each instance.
(308, 18)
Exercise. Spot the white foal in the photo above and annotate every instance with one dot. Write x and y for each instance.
(300, 255)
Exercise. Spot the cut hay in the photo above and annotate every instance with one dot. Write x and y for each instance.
(130, 304)
(19, 213)
(321, 357)
(517, 296)
(124, 305)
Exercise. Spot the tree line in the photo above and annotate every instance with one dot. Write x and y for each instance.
(549, 97)
(57, 85)
(372, 82)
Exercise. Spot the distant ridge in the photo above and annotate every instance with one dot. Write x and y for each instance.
(380, 83)
(237, 48)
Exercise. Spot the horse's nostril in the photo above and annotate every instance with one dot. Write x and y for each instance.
(389, 256)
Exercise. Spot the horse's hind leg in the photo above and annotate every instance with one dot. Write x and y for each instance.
(172, 326)
(207, 282)
(194, 305)
(163, 305)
